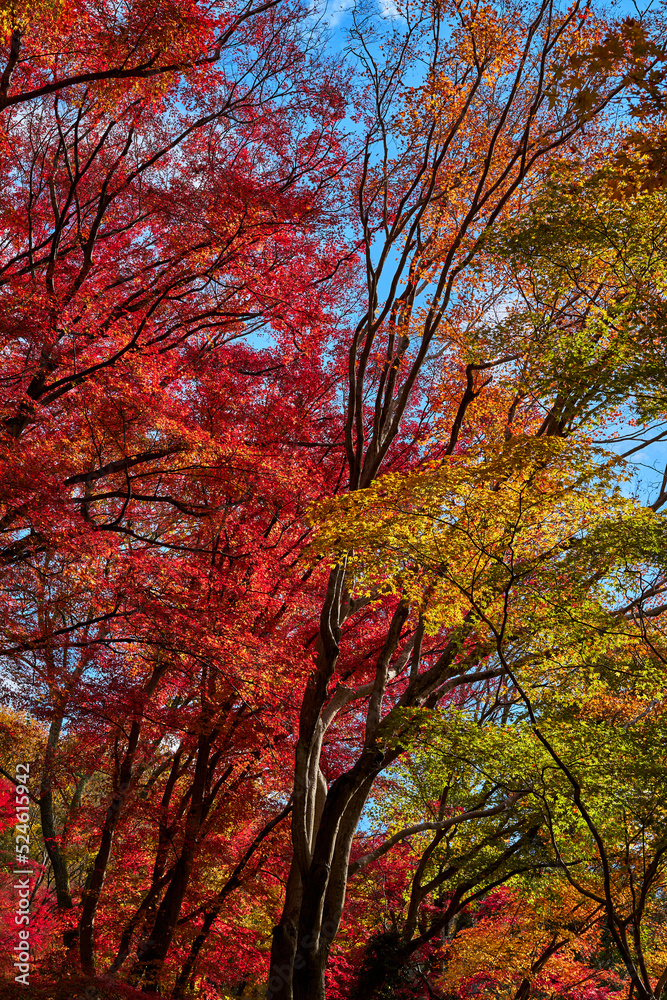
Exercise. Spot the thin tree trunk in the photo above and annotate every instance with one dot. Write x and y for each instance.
(53, 849)
(211, 915)
(152, 952)
(93, 890)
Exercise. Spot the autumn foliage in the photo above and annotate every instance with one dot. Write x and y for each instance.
(333, 581)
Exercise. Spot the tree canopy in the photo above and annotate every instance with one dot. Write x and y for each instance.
(334, 589)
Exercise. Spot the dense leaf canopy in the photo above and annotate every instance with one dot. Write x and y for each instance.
(333, 590)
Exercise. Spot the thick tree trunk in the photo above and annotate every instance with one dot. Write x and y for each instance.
(324, 821)
(310, 981)
(326, 884)
(284, 945)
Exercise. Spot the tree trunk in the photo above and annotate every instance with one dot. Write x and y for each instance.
(284, 945)
(233, 882)
(93, 890)
(56, 856)
(152, 952)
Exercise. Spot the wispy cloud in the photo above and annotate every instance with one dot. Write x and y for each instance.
(336, 10)
(388, 9)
